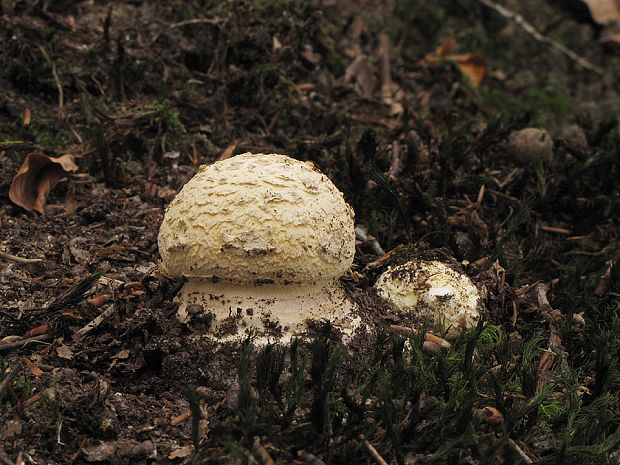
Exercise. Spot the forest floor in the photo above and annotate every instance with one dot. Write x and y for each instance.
(411, 109)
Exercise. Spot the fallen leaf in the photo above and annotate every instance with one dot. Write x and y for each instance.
(228, 151)
(546, 362)
(361, 73)
(64, 352)
(35, 370)
(180, 453)
(604, 11)
(37, 177)
(113, 249)
(492, 416)
(123, 354)
(472, 65)
(27, 117)
(38, 330)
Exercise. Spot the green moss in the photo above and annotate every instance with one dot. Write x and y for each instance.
(169, 132)
(49, 136)
(548, 106)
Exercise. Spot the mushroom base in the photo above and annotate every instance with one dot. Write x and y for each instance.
(269, 311)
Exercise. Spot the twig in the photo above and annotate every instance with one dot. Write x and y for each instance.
(77, 452)
(264, 455)
(531, 30)
(409, 332)
(397, 164)
(8, 379)
(15, 258)
(362, 235)
(80, 333)
(379, 262)
(386, 77)
(602, 285)
(189, 22)
(61, 99)
(21, 343)
(182, 417)
(519, 452)
(553, 229)
(555, 343)
(373, 451)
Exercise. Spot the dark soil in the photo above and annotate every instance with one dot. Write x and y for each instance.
(143, 93)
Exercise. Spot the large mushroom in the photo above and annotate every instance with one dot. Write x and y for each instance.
(262, 240)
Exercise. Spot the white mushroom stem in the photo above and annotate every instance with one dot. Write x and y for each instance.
(287, 307)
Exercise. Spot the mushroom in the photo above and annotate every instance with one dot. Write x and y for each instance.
(262, 240)
(431, 290)
(526, 145)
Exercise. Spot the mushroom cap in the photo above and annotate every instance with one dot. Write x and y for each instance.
(433, 290)
(257, 217)
(526, 145)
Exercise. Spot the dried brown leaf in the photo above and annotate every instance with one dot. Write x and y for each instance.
(180, 453)
(35, 370)
(472, 65)
(361, 73)
(64, 352)
(604, 11)
(492, 416)
(37, 177)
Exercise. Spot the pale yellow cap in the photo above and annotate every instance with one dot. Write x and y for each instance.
(258, 217)
(432, 290)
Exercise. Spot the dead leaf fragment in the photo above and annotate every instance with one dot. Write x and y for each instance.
(604, 11)
(37, 177)
(492, 416)
(472, 65)
(64, 352)
(123, 354)
(34, 369)
(180, 453)
(361, 73)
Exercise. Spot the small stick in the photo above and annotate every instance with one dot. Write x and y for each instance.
(264, 455)
(386, 77)
(553, 229)
(15, 258)
(519, 452)
(480, 197)
(602, 285)
(397, 164)
(362, 235)
(77, 452)
(531, 30)
(181, 418)
(61, 99)
(80, 333)
(442, 343)
(373, 451)
(22, 342)
(8, 379)
(379, 262)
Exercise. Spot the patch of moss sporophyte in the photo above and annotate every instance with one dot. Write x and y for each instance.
(409, 402)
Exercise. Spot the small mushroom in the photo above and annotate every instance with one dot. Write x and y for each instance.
(262, 239)
(526, 145)
(431, 290)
